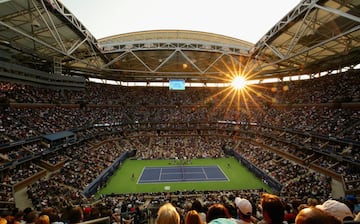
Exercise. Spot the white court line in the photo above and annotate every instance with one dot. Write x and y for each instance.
(223, 173)
(141, 174)
(160, 174)
(206, 177)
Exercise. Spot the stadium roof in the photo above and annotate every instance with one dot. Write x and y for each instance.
(316, 36)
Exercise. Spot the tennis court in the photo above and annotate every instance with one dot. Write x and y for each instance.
(181, 174)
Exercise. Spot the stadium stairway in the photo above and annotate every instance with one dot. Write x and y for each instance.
(337, 189)
(21, 199)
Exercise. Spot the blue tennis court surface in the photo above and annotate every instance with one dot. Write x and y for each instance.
(182, 173)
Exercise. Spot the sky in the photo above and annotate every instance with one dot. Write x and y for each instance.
(247, 20)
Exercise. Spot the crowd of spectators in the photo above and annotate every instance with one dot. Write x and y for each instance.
(44, 111)
(326, 90)
(343, 168)
(64, 188)
(141, 104)
(146, 208)
(185, 144)
(22, 172)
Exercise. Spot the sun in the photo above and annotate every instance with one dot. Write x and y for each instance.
(239, 82)
(240, 96)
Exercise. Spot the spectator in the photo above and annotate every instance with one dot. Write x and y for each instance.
(218, 213)
(3, 220)
(338, 209)
(19, 217)
(244, 210)
(292, 211)
(42, 219)
(196, 205)
(273, 209)
(127, 218)
(167, 214)
(313, 215)
(53, 215)
(193, 217)
(76, 215)
(115, 216)
(31, 217)
(10, 219)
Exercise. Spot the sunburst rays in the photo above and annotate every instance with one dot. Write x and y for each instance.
(235, 103)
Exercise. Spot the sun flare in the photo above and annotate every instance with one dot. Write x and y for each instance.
(239, 82)
(240, 97)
